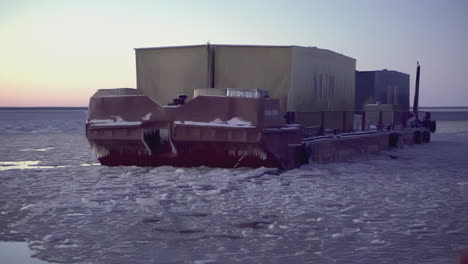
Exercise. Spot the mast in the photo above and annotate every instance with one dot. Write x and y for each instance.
(416, 93)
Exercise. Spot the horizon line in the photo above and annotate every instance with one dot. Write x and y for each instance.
(42, 107)
(86, 107)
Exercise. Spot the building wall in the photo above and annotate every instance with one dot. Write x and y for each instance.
(365, 92)
(322, 80)
(386, 87)
(392, 87)
(254, 67)
(305, 80)
(162, 73)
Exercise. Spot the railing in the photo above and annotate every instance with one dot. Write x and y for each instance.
(336, 121)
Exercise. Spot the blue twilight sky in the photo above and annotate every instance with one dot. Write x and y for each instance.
(57, 53)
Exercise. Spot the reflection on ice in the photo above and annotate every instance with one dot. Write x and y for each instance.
(89, 164)
(34, 164)
(17, 253)
(21, 165)
(38, 149)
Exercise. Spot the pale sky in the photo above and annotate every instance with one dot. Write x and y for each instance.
(57, 53)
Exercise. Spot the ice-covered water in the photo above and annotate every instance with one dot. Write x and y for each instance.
(405, 206)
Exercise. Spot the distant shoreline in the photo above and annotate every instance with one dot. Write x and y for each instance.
(45, 108)
(440, 107)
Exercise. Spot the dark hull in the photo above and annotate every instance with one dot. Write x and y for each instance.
(209, 158)
(220, 136)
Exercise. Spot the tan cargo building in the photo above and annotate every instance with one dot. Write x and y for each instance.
(307, 80)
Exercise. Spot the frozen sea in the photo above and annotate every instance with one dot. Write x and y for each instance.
(408, 205)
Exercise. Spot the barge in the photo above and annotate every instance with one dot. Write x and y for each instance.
(235, 127)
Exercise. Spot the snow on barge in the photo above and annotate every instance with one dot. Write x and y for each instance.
(304, 111)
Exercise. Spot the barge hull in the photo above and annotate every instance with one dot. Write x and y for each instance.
(346, 147)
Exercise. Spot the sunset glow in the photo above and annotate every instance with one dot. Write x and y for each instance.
(57, 53)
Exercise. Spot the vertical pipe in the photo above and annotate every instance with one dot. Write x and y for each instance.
(211, 70)
(344, 121)
(363, 121)
(380, 125)
(405, 119)
(137, 62)
(322, 123)
(208, 64)
(416, 92)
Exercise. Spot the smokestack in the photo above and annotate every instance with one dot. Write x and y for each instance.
(416, 93)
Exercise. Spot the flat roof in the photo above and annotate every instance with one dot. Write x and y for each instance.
(384, 70)
(221, 45)
(241, 46)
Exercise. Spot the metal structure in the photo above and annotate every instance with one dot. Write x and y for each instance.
(304, 79)
(299, 111)
(416, 92)
(385, 87)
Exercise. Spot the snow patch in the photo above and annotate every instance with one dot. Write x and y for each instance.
(147, 117)
(337, 235)
(89, 164)
(100, 121)
(347, 208)
(233, 122)
(27, 207)
(21, 165)
(116, 121)
(456, 231)
(39, 149)
(66, 246)
(377, 241)
(362, 249)
(238, 122)
(48, 237)
(208, 261)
